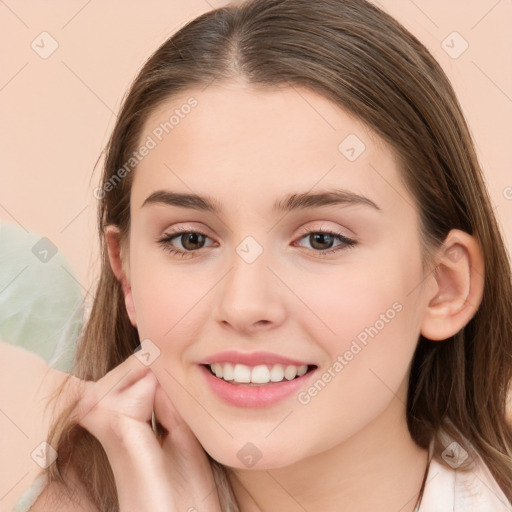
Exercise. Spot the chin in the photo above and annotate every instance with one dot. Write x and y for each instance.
(254, 456)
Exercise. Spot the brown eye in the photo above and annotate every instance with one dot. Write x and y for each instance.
(191, 241)
(322, 241)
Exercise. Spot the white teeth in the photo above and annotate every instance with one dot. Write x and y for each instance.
(242, 373)
(301, 370)
(227, 371)
(277, 373)
(260, 374)
(290, 372)
(218, 370)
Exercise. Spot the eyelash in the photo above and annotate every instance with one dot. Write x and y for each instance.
(347, 243)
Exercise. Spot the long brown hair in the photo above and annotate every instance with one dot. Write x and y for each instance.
(363, 60)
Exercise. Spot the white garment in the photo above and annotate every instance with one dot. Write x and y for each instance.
(454, 490)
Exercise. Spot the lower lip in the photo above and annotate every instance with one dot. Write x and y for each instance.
(265, 395)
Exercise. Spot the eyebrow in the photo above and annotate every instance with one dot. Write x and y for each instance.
(296, 201)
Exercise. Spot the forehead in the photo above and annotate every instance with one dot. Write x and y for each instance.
(244, 144)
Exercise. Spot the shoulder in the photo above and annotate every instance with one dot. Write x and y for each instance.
(58, 498)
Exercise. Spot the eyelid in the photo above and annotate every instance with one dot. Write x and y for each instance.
(322, 227)
(185, 228)
(346, 242)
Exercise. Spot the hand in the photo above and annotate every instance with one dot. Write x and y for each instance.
(172, 475)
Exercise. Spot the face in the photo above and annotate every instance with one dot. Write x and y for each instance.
(331, 284)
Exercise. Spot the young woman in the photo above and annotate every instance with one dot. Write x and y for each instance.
(297, 237)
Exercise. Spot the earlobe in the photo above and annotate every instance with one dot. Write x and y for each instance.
(113, 243)
(459, 275)
(130, 309)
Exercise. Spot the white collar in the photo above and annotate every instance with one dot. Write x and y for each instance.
(456, 490)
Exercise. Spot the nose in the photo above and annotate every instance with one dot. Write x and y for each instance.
(252, 296)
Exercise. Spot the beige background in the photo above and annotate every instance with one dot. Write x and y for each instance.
(57, 113)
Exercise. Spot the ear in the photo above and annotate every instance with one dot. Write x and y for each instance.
(113, 241)
(459, 275)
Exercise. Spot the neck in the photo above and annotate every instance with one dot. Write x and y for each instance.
(379, 468)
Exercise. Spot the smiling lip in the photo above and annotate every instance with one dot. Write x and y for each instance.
(250, 395)
(252, 359)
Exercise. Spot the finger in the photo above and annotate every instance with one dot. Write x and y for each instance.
(125, 374)
(98, 412)
(118, 379)
(137, 400)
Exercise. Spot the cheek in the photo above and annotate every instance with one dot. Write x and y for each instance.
(359, 302)
(164, 298)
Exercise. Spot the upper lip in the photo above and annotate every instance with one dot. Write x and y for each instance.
(251, 359)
